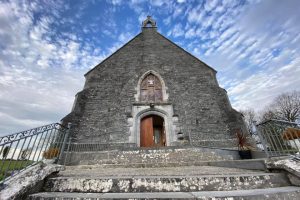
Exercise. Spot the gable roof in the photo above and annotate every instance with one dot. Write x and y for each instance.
(188, 53)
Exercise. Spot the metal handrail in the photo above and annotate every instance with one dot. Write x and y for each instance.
(277, 120)
(21, 150)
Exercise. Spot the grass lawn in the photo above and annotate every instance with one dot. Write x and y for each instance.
(11, 165)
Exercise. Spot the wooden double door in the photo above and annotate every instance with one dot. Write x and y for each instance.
(152, 131)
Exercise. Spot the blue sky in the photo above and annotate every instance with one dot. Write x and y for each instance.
(47, 46)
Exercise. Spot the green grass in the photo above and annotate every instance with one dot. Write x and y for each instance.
(12, 165)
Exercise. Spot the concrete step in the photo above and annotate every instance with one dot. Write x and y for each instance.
(255, 164)
(184, 179)
(149, 155)
(278, 193)
(100, 171)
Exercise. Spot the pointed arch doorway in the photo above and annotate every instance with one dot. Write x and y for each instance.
(152, 131)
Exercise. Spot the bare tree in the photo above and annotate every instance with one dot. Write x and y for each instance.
(249, 117)
(267, 115)
(284, 107)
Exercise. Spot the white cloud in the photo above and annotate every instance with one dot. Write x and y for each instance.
(210, 5)
(116, 2)
(248, 67)
(167, 20)
(259, 89)
(196, 15)
(190, 33)
(254, 46)
(178, 10)
(125, 37)
(157, 2)
(37, 77)
(177, 30)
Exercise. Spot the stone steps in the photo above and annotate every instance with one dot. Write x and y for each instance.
(149, 155)
(124, 184)
(172, 173)
(280, 193)
(190, 182)
(255, 164)
(100, 171)
(97, 179)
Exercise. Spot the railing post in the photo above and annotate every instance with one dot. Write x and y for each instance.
(64, 142)
(263, 142)
(69, 144)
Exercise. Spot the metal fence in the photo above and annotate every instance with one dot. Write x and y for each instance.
(21, 150)
(279, 138)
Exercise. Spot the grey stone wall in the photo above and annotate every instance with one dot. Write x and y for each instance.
(103, 107)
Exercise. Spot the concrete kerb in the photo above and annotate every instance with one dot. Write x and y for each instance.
(288, 165)
(29, 181)
(253, 164)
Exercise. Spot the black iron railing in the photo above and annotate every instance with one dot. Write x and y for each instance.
(20, 150)
(279, 138)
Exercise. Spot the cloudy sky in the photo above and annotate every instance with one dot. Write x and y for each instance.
(47, 46)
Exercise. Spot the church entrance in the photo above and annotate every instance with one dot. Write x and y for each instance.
(152, 131)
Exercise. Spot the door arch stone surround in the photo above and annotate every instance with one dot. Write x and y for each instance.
(164, 111)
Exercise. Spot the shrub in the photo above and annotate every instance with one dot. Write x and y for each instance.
(51, 153)
(243, 142)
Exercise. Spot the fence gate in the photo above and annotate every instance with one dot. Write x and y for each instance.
(279, 138)
(20, 150)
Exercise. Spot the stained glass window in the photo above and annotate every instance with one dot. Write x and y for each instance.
(151, 89)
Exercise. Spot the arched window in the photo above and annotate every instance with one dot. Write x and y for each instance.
(151, 89)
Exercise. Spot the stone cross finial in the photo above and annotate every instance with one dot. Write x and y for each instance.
(150, 21)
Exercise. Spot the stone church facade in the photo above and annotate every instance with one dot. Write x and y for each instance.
(152, 93)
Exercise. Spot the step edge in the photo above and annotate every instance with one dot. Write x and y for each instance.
(228, 193)
(174, 176)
